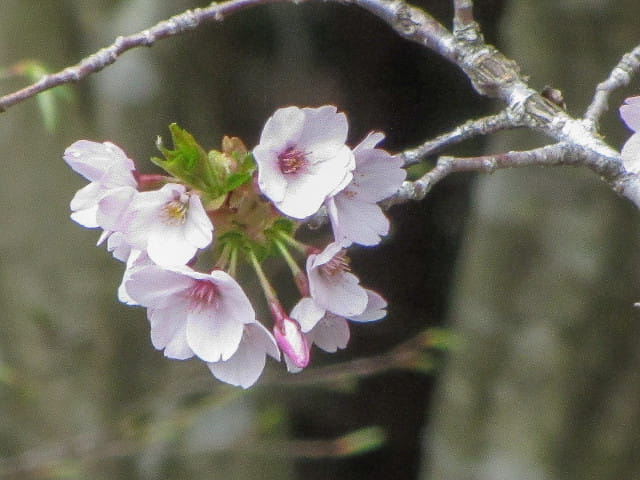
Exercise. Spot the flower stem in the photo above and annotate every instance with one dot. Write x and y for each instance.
(269, 291)
(223, 259)
(299, 276)
(301, 247)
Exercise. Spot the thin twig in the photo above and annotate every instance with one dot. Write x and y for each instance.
(482, 126)
(176, 25)
(465, 27)
(619, 77)
(562, 153)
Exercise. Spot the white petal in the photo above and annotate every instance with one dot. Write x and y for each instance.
(340, 293)
(92, 160)
(325, 131)
(156, 287)
(331, 334)
(113, 206)
(271, 180)
(197, 228)
(86, 217)
(307, 313)
(247, 364)
(291, 367)
(168, 331)
(375, 308)
(166, 245)
(370, 141)
(377, 176)
(630, 113)
(283, 128)
(213, 334)
(631, 154)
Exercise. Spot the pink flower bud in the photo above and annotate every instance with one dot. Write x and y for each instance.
(292, 341)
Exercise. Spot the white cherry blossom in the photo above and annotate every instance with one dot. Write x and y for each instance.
(170, 224)
(330, 332)
(192, 313)
(354, 213)
(331, 284)
(106, 167)
(302, 158)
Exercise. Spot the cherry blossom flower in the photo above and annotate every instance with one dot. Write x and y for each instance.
(302, 158)
(244, 367)
(332, 286)
(354, 213)
(106, 166)
(192, 313)
(170, 224)
(630, 113)
(330, 332)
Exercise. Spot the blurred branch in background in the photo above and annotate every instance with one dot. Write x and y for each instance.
(138, 434)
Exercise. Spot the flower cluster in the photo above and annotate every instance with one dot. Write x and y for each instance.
(229, 206)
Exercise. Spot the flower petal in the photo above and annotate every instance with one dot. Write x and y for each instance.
(330, 334)
(246, 365)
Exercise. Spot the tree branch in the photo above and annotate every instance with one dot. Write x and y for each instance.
(490, 72)
(472, 128)
(619, 77)
(562, 153)
(176, 25)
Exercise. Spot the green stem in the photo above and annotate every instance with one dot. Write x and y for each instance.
(293, 265)
(269, 291)
(301, 247)
(223, 259)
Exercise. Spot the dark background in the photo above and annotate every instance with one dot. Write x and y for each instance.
(534, 271)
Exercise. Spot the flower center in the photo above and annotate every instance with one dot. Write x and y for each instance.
(175, 212)
(203, 292)
(338, 264)
(291, 160)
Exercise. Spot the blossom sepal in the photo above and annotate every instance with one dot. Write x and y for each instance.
(214, 173)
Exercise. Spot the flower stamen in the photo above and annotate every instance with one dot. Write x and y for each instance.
(291, 160)
(203, 292)
(175, 212)
(338, 264)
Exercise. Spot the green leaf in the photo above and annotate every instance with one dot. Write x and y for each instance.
(188, 162)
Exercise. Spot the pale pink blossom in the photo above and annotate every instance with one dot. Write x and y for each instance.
(244, 367)
(354, 213)
(192, 313)
(170, 224)
(330, 332)
(630, 113)
(331, 284)
(302, 158)
(106, 167)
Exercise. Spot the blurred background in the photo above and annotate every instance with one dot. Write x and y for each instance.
(533, 273)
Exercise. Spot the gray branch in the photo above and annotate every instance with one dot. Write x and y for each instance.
(619, 77)
(490, 72)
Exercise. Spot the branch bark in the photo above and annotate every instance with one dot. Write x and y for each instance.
(491, 73)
